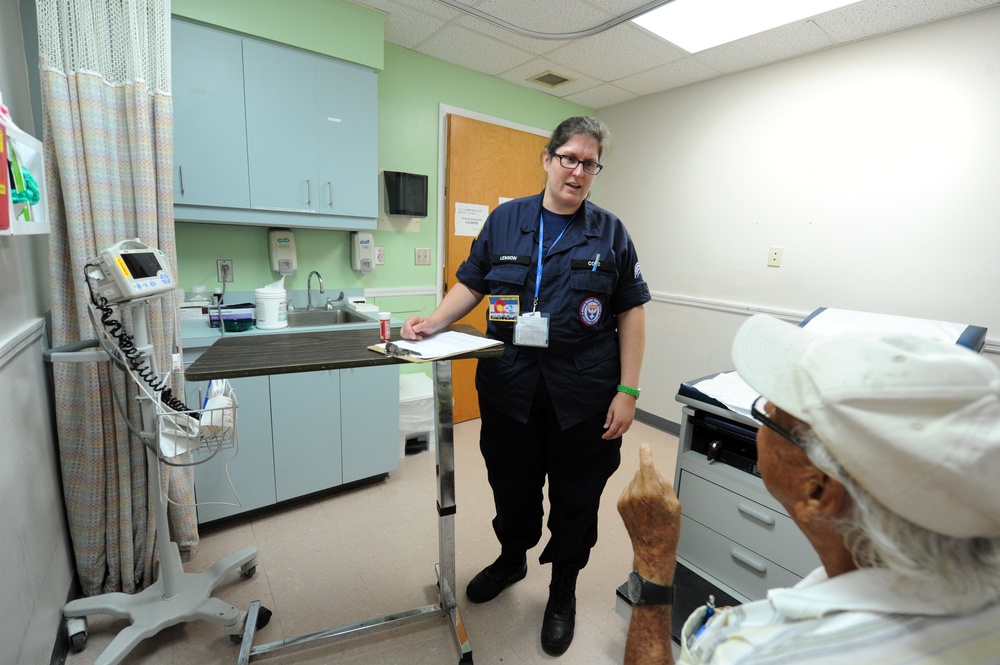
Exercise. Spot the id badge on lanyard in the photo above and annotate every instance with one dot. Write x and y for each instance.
(532, 329)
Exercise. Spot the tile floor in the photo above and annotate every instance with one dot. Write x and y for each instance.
(371, 551)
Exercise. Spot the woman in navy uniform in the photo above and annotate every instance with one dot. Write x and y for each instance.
(566, 297)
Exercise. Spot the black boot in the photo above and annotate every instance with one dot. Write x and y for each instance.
(560, 612)
(510, 567)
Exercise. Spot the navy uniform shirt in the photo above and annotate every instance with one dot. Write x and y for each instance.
(581, 364)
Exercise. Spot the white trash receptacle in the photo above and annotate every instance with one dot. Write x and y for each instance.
(416, 413)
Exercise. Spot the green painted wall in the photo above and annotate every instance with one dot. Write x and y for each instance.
(411, 87)
(331, 27)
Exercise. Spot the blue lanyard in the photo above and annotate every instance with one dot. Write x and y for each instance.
(541, 237)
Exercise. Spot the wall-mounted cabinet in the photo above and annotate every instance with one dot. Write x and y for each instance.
(270, 135)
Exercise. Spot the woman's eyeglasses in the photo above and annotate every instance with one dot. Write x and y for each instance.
(570, 162)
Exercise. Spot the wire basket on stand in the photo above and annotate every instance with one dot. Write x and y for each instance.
(202, 432)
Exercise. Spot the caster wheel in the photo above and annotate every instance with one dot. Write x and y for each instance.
(78, 642)
(76, 631)
(249, 572)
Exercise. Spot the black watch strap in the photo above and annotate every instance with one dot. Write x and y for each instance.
(644, 592)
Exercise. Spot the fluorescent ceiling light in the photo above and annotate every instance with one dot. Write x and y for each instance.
(696, 25)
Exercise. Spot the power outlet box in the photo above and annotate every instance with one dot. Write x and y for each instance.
(225, 269)
(380, 256)
(774, 257)
(422, 256)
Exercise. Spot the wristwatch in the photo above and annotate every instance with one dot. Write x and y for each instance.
(641, 591)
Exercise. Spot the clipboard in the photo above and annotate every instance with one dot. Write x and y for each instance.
(439, 346)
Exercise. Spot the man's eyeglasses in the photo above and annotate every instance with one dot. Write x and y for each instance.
(758, 413)
(570, 162)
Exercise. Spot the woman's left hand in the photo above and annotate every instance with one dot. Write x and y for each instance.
(621, 413)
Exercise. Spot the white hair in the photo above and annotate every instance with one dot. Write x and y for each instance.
(879, 538)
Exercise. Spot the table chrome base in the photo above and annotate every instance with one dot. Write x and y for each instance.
(368, 626)
(444, 569)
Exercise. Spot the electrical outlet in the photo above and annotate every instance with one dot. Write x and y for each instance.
(774, 257)
(225, 269)
(380, 256)
(422, 256)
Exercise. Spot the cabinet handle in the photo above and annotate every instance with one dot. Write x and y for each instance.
(330, 185)
(182, 179)
(747, 560)
(309, 199)
(755, 514)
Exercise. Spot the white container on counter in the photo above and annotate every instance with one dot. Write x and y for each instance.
(271, 308)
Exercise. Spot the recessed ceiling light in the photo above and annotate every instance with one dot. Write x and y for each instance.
(696, 25)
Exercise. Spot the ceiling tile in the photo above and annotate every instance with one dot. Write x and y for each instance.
(530, 44)
(549, 16)
(617, 52)
(429, 7)
(778, 44)
(407, 27)
(671, 75)
(601, 96)
(473, 50)
(877, 17)
(522, 73)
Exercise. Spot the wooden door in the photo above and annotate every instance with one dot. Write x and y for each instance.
(485, 163)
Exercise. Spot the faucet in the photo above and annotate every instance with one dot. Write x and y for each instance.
(332, 303)
(309, 300)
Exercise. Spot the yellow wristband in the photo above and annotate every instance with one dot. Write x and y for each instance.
(634, 392)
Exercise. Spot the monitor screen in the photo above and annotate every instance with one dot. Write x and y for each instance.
(141, 264)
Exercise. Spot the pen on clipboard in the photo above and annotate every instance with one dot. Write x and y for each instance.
(597, 262)
(709, 611)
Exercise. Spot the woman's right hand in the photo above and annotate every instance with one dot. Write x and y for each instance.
(416, 327)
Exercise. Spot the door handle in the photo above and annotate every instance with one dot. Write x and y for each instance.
(330, 185)
(309, 187)
(181, 167)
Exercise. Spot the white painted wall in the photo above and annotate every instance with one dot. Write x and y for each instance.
(876, 165)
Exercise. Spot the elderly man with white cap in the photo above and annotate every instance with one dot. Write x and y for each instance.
(885, 450)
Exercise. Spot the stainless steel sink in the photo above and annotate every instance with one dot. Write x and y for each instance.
(325, 317)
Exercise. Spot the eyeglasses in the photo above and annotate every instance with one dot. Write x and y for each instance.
(758, 413)
(570, 162)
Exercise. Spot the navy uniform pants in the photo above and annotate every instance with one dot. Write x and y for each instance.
(577, 463)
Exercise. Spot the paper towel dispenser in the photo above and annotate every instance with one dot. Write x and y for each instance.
(405, 194)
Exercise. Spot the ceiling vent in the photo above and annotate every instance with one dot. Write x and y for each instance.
(551, 79)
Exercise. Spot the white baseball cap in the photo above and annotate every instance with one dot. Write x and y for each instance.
(916, 422)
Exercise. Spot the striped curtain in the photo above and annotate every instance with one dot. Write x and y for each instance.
(108, 123)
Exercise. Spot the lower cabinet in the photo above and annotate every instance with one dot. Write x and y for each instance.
(298, 434)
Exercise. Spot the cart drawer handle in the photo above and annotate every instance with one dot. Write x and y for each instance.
(748, 560)
(755, 514)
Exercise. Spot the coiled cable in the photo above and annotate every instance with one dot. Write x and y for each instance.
(126, 343)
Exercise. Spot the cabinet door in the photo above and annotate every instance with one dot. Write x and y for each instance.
(281, 127)
(210, 150)
(370, 423)
(305, 411)
(348, 144)
(250, 465)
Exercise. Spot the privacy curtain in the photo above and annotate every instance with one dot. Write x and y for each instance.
(108, 123)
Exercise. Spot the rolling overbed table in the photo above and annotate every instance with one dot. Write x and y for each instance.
(234, 357)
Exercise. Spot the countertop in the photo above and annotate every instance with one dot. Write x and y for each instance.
(307, 350)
